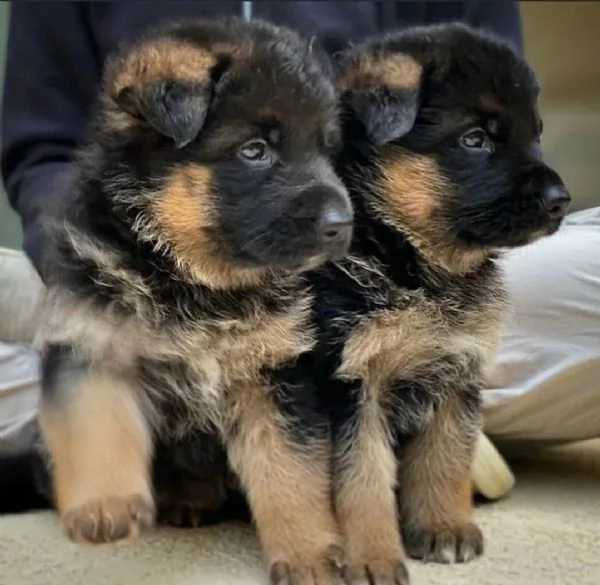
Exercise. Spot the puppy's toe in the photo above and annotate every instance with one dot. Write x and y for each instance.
(109, 519)
(193, 503)
(188, 516)
(326, 568)
(378, 573)
(448, 545)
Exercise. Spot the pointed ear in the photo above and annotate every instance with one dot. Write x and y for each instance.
(176, 109)
(383, 92)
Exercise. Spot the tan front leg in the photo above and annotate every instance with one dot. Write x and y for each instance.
(100, 446)
(435, 491)
(365, 500)
(288, 486)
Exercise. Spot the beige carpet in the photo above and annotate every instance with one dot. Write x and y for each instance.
(546, 533)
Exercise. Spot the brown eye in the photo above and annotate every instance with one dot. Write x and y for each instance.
(256, 153)
(477, 139)
(274, 135)
(492, 126)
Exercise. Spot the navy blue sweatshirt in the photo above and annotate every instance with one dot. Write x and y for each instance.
(56, 51)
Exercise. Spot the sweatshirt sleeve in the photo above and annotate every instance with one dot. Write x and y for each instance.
(499, 16)
(52, 72)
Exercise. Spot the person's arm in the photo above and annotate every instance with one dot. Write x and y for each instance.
(498, 16)
(52, 72)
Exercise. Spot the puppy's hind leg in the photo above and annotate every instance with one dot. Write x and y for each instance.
(191, 481)
(435, 489)
(100, 447)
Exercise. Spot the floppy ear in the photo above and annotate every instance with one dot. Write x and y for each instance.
(167, 82)
(386, 113)
(382, 91)
(176, 109)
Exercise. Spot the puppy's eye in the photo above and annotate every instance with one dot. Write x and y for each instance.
(477, 139)
(492, 126)
(256, 152)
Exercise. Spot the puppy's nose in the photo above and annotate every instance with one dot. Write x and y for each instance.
(336, 221)
(555, 199)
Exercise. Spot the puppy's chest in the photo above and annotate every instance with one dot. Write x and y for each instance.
(395, 342)
(186, 368)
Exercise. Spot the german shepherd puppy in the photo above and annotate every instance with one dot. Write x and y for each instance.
(442, 160)
(177, 308)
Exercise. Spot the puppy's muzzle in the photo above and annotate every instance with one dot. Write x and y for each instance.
(335, 221)
(555, 199)
(550, 192)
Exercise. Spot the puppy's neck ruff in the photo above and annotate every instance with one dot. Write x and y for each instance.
(433, 252)
(445, 256)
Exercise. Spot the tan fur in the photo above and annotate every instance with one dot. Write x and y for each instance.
(365, 501)
(288, 488)
(160, 60)
(219, 354)
(411, 188)
(396, 343)
(101, 449)
(184, 217)
(435, 481)
(370, 71)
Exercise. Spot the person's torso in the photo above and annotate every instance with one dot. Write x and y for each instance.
(334, 24)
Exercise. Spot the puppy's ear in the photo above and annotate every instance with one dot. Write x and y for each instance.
(167, 83)
(176, 109)
(383, 92)
(386, 113)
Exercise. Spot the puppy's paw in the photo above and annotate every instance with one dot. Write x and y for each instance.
(187, 515)
(378, 573)
(195, 503)
(109, 519)
(458, 545)
(325, 569)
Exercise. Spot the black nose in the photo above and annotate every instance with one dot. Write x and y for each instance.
(555, 199)
(336, 221)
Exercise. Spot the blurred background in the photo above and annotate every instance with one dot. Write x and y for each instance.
(562, 42)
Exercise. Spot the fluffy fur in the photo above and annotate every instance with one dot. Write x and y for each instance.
(176, 302)
(441, 157)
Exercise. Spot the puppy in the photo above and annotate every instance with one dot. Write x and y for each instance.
(177, 308)
(442, 160)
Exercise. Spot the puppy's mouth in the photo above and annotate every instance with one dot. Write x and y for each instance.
(301, 263)
(507, 236)
(313, 262)
(529, 238)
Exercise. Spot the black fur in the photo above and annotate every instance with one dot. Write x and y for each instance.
(178, 302)
(482, 203)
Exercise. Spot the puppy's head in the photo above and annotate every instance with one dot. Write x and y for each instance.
(450, 119)
(216, 140)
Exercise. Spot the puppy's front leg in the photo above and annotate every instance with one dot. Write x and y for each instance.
(288, 484)
(435, 491)
(100, 448)
(365, 500)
